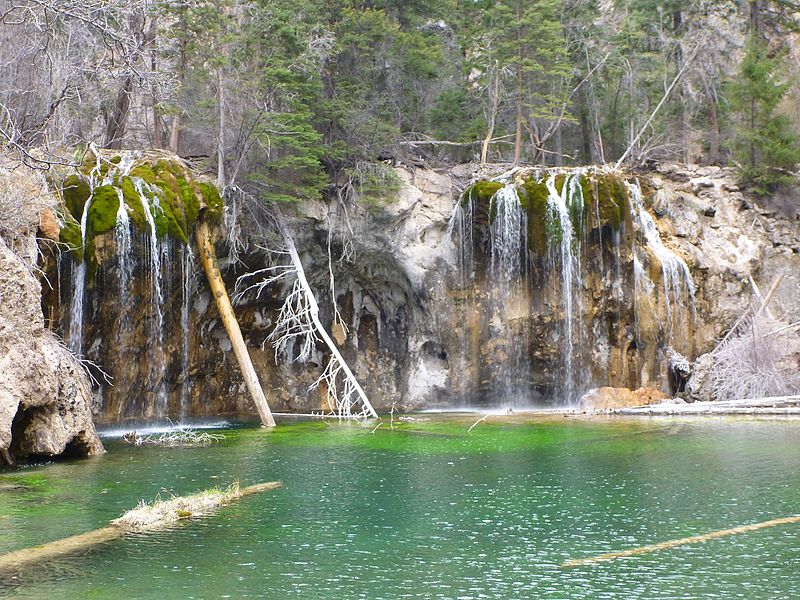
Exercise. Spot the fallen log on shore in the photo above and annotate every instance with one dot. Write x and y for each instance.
(144, 518)
(777, 405)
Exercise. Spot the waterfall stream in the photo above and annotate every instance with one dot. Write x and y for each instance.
(508, 268)
(157, 363)
(78, 288)
(186, 293)
(678, 286)
(564, 258)
(558, 289)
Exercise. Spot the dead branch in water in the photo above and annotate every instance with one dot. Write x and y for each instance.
(181, 437)
(476, 422)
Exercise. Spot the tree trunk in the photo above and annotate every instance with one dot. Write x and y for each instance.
(559, 156)
(206, 245)
(494, 94)
(713, 142)
(119, 116)
(175, 126)
(220, 132)
(585, 127)
(320, 330)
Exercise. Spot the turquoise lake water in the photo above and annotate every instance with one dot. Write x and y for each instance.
(428, 510)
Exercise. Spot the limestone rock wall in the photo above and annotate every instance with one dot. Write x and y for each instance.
(45, 395)
(414, 334)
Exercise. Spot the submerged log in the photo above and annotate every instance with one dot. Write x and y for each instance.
(695, 539)
(159, 515)
(206, 245)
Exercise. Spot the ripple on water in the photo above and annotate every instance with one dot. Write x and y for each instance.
(430, 511)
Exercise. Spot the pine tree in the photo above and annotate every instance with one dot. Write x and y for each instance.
(765, 147)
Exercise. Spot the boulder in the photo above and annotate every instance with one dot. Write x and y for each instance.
(45, 395)
(609, 398)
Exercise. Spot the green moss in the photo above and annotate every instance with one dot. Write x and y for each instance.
(534, 198)
(610, 200)
(133, 203)
(76, 191)
(172, 196)
(102, 215)
(145, 172)
(190, 194)
(70, 235)
(481, 191)
(212, 200)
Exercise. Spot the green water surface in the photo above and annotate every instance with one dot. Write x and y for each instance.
(428, 510)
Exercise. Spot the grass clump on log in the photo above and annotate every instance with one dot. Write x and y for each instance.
(144, 518)
(162, 513)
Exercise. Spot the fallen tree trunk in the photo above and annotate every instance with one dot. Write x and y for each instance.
(695, 539)
(170, 512)
(206, 245)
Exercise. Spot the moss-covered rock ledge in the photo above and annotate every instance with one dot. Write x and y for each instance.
(598, 199)
(157, 182)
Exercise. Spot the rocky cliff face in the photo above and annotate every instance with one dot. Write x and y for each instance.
(420, 330)
(45, 396)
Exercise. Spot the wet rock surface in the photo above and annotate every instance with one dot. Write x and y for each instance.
(414, 333)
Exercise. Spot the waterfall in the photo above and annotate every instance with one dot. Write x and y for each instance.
(78, 287)
(186, 262)
(157, 366)
(460, 227)
(679, 290)
(509, 236)
(122, 242)
(507, 269)
(155, 260)
(564, 257)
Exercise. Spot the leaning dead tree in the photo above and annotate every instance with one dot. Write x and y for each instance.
(298, 328)
(206, 245)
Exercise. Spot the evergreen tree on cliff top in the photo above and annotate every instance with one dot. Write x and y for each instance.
(766, 146)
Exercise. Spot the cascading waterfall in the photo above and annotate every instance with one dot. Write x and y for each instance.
(122, 242)
(590, 327)
(157, 365)
(679, 290)
(508, 267)
(187, 263)
(460, 227)
(565, 258)
(78, 285)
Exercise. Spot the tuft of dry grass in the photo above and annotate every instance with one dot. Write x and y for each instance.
(162, 513)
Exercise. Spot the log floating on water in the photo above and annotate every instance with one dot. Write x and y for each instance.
(168, 511)
(695, 539)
